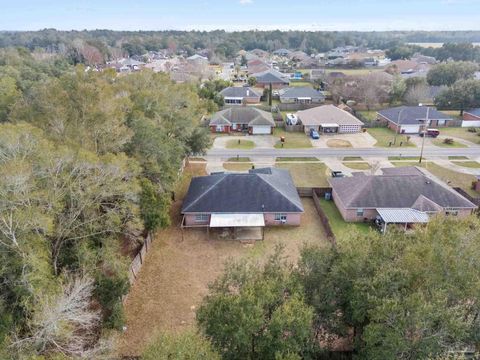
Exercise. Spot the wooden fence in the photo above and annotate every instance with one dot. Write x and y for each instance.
(315, 194)
(138, 260)
(462, 192)
(294, 128)
(296, 106)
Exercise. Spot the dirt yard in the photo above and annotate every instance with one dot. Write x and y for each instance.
(176, 274)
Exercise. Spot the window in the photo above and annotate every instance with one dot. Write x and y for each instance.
(219, 128)
(201, 217)
(451, 212)
(360, 212)
(280, 217)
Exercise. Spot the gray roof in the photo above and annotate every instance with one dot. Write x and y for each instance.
(242, 115)
(261, 190)
(410, 115)
(300, 91)
(327, 114)
(475, 112)
(270, 76)
(407, 188)
(239, 92)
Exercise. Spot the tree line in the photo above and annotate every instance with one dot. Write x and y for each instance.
(88, 162)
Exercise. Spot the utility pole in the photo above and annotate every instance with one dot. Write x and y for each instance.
(425, 124)
(399, 119)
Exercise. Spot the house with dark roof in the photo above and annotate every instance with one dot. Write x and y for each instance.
(271, 77)
(471, 118)
(301, 95)
(400, 195)
(413, 119)
(242, 119)
(329, 119)
(259, 198)
(240, 95)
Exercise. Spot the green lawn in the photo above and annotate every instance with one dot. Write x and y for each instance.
(452, 178)
(293, 140)
(384, 136)
(352, 158)
(300, 83)
(462, 133)
(240, 144)
(311, 158)
(238, 159)
(455, 144)
(469, 164)
(353, 72)
(308, 175)
(339, 226)
(458, 158)
(360, 165)
(404, 158)
(239, 166)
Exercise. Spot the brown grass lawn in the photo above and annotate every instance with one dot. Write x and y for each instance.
(293, 140)
(337, 143)
(358, 165)
(307, 174)
(461, 133)
(177, 271)
(384, 136)
(238, 166)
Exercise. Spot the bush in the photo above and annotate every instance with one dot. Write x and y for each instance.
(109, 291)
(472, 130)
(448, 141)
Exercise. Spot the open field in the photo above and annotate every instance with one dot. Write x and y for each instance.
(310, 175)
(461, 133)
(339, 226)
(454, 144)
(177, 271)
(452, 178)
(359, 165)
(384, 136)
(293, 140)
(240, 144)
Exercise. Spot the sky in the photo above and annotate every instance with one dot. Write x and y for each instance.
(232, 15)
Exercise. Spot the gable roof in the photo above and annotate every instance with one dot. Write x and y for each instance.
(300, 91)
(261, 190)
(410, 189)
(242, 115)
(410, 115)
(327, 114)
(270, 76)
(239, 92)
(475, 112)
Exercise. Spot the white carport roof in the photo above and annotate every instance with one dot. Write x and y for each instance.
(237, 220)
(329, 125)
(402, 216)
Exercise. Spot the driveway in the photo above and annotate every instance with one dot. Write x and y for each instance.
(261, 141)
(358, 140)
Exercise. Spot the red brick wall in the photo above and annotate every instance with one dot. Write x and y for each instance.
(292, 219)
(213, 129)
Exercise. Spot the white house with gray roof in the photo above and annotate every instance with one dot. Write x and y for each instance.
(242, 119)
(329, 119)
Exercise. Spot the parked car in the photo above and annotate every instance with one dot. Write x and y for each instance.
(337, 174)
(314, 134)
(430, 133)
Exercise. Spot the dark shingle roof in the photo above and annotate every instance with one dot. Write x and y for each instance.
(406, 189)
(412, 114)
(270, 76)
(261, 190)
(239, 92)
(242, 115)
(300, 91)
(475, 112)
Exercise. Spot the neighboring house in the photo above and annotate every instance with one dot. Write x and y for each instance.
(240, 95)
(301, 95)
(197, 57)
(411, 119)
(282, 52)
(242, 119)
(273, 77)
(329, 119)
(471, 118)
(262, 197)
(401, 195)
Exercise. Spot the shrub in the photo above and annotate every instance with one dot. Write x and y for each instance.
(448, 141)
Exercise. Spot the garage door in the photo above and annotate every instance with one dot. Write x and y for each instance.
(410, 129)
(257, 130)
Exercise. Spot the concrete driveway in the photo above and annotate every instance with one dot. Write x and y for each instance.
(261, 141)
(358, 140)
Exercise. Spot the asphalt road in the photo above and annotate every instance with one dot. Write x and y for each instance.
(337, 152)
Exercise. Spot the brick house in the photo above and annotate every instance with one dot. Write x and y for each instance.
(240, 95)
(242, 119)
(271, 77)
(262, 197)
(471, 118)
(410, 119)
(406, 193)
(329, 119)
